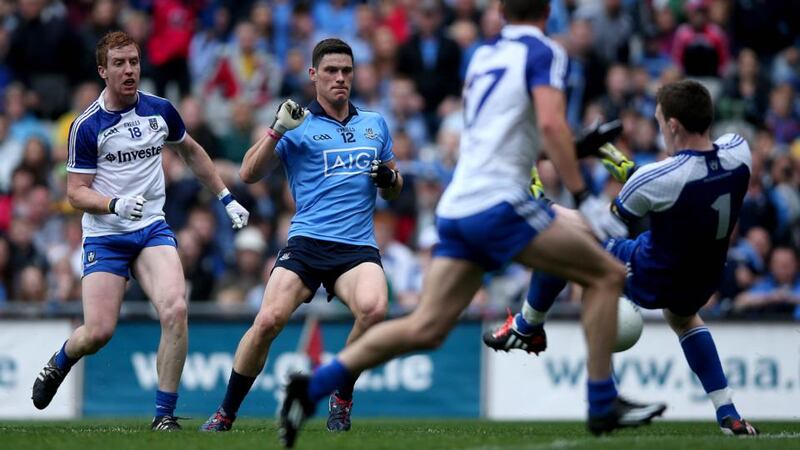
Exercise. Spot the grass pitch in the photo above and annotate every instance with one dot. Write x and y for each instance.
(251, 434)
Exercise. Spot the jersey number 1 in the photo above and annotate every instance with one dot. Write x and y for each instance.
(722, 205)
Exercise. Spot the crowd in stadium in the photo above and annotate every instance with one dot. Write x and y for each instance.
(228, 64)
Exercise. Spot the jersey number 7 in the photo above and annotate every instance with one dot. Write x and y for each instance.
(485, 82)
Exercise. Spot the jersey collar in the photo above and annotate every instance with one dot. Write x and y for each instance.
(102, 102)
(318, 110)
(515, 31)
(691, 152)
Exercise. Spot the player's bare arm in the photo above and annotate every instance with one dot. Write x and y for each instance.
(81, 195)
(288, 117)
(556, 136)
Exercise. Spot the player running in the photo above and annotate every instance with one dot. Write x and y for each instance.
(693, 199)
(115, 177)
(335, 156)
(487, 218)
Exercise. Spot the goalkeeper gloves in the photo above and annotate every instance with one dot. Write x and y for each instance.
(288, 117)
(537, 188)
(617, 164)
(597, 140)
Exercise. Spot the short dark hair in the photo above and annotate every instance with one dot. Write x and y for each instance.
(689, 103)
(328, 47)
(526, 9)
(113, 39)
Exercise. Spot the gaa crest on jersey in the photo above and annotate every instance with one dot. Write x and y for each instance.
(90, 257)
(154, 124)
(369, 134)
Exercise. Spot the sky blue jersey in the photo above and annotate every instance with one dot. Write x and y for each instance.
(327, 163)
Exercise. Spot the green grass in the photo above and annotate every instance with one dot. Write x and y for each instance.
(390, 434)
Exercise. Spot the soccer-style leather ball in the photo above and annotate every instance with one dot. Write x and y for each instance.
(629, 325)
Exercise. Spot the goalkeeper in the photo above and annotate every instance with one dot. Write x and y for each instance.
(335, 157)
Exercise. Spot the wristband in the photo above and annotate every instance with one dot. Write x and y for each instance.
(112, 204)
(274, 134)
(225, 196)
(581, 196)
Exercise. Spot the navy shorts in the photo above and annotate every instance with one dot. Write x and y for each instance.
(493, 237)
(115, 253)
(649, 290)
(322, 262)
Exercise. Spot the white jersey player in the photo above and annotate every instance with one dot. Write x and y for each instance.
(115, 177)
(514, 105)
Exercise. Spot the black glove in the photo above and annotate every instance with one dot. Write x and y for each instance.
(382, 175)
(590, 140)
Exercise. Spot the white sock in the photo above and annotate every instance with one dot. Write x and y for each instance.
(532, 316)
(721, 397)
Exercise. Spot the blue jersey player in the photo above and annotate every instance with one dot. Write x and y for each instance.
(692, 199)
(114, 175)
(335, 156)
(514, 106)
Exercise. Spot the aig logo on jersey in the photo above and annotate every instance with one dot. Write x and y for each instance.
(348, 161)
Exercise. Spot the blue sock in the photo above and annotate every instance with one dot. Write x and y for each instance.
(601, 396)
(165, 403)
(521, 325)
(543, 290)
(327, 379)
(701, 354)
(63, 361)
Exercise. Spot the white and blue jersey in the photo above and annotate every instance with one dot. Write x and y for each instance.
(327, 163)
(123, 151)
(487, 215)
(693, 200)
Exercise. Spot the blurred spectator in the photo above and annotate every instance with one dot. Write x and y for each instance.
(36, 158)
(615, 99)
(299, 34)
(432, 60)
(197, 271)
(395, 19)
(334, 18)
(782, 118)
(745, 91)
(492, 21)
(207, 46)
(467, 10)
(250, 251)
(168, 46)
(137, 25)
(23, 124)
(642, 98)
(612, 27)
(747, 261)
(193, 115)
(385, 52)
(6, 274)
(245, 72)
(785, 196)
(103, 19)
(62, 285)
(405, 110)
(181, 189)
(779, 292)
(295, 77)
(585, 80)
(10, 154)
(237, 140)
(361, 41)
(366, 89)
(46, 55)
(32, 285)
(398, 260)
(83, 96)
(700, 47)
(465, 34)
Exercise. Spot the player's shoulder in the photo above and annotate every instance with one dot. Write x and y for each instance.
(538, 45)
(661, 168)
(733, 149)
(661, 176)
(89, 121)
(151, 104)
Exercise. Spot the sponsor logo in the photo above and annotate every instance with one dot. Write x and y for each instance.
(348, 161)
(322, 137)
(370, 134)
(285, 256)
(9, 372)
(110, 132)
(133, 155)
(131, 124)
(154, 124)
(90, 256)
